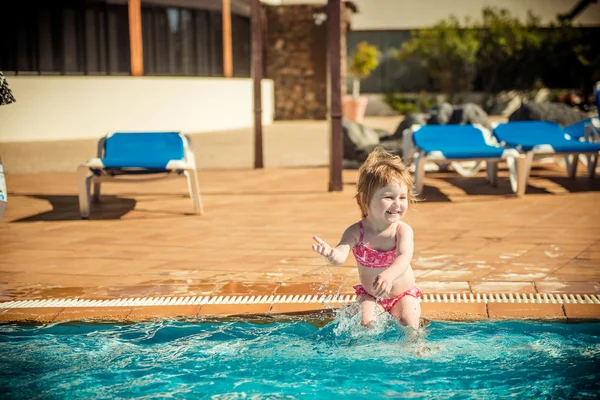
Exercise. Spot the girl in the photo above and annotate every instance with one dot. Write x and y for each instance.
(381, 243)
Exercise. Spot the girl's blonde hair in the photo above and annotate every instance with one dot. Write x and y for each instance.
(380, 169)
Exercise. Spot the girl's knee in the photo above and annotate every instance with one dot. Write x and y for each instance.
(368, 308)
(367, 323)
(410, 320)
(409, 315)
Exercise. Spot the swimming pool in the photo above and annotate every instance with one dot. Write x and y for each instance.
(318, 358)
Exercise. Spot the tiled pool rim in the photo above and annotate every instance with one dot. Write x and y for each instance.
(539, 298)
(436, 306)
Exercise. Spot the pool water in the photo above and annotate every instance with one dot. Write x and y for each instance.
(322, 358)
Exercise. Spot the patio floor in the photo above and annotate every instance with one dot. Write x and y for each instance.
(481, 253)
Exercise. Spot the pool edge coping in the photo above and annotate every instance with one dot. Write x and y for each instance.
(436, 306)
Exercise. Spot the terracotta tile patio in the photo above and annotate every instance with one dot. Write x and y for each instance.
(255, 237)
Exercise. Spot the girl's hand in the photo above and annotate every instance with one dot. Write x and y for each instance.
(382, 285)
(324, 249)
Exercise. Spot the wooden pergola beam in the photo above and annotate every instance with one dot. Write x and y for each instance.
(334, 19)
(227, 52)
(257, 75)
(135, 38)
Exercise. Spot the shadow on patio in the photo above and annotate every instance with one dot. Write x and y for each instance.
(66, 208)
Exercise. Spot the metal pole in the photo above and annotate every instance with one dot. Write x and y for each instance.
(335, 95)
(257, 73)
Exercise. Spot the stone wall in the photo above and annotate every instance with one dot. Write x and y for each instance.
(295, 56)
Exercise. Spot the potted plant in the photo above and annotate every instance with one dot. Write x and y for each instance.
(363, 61)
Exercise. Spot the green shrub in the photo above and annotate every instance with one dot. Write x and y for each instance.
(404, 104)
(508, 51)
(448, 51)
(501, 53)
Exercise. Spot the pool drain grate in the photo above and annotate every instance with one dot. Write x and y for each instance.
(532, 298)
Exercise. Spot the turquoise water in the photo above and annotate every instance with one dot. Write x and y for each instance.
(301, 359)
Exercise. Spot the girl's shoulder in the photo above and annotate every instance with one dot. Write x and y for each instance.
(352, 234)
(404, 227)
(404, 230)
(354, 229)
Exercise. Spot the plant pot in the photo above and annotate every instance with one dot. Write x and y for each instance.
(353, 109)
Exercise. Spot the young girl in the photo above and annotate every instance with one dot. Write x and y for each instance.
(381, 243)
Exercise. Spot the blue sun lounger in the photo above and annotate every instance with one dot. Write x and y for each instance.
(132, 156)
(459, 143)
(533, 138)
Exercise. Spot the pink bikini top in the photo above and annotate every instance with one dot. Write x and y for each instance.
(371, 258)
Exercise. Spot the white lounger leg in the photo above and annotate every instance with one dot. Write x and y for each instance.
(419, 172)
(84, 180)
(491, 170)
(523, 171)
(518, 178)
(523, 175)
(194, 188)
(572, 161)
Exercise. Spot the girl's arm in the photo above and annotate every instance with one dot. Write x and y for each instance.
(405, 248)
(338, 254)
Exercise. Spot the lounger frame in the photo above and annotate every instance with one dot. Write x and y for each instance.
(515, 161)
(571, 158)
(93, 172)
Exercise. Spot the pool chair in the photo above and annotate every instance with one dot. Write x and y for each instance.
(586, 130)
(533, 138)
(460, 143)
(129, 157)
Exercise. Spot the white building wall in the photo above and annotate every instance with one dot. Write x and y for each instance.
(414, 14)
(79, 107)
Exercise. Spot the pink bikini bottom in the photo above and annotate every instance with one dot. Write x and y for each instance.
(387, 304)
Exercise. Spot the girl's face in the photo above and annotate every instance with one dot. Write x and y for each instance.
(389, 203)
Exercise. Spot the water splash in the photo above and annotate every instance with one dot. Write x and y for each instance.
(347, 322)
(325, 284)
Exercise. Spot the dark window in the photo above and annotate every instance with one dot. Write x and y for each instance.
(73, 37)
(65, 37)
(180, 41)
(241, 45)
